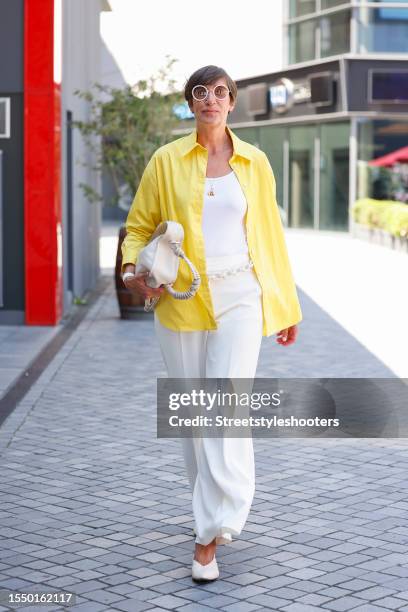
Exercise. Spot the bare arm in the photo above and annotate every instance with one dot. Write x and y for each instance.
(138, 283)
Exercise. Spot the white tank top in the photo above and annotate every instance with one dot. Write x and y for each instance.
(223, 215)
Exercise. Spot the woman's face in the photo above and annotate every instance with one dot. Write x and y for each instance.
(212, 111)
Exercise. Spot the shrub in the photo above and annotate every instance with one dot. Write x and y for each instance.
(388, 215)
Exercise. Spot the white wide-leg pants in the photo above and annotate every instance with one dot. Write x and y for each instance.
(221, 471)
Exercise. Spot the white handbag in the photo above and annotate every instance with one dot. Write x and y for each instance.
(161, 258)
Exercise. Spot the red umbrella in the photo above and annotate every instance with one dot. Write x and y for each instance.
(400, 155)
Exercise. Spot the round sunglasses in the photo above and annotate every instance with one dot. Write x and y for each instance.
(201, 92)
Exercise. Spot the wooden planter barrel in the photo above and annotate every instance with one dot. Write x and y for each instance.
(131, 304)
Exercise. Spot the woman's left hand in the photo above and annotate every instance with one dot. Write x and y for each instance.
(287, 336)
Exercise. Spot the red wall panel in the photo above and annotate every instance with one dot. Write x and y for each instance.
(42, 167)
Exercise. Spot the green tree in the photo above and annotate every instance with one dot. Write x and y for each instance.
(126, 126)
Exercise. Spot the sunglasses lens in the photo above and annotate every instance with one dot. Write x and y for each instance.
(221, 92)
(200, 92)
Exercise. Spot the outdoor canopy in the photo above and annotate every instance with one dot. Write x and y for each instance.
(400, 155)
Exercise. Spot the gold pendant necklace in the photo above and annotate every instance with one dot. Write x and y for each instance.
(211, 192)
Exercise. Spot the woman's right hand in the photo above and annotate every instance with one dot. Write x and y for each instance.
(138, 283)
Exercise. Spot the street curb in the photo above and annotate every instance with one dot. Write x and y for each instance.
(36, 367)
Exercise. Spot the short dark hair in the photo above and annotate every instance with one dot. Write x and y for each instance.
(206, 76)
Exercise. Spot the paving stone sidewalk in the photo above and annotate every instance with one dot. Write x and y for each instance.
(19, 345)
(95, 504)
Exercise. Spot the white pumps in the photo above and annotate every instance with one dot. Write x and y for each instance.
(205, 573)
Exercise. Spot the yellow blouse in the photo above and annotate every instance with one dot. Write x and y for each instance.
(172, 189)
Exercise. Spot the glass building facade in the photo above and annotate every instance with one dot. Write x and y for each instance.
(321, 166)
(316, 29)
(317, 33)
(339, 104)
(314, 195)
(311, 164)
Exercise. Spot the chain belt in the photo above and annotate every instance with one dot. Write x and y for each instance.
(231, 271)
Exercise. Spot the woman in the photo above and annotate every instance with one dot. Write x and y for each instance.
(222, 190)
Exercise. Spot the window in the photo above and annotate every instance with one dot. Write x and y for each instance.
(302, 41)
(375, 140)
(4, 117)
(383, 30)
(335, 33)
(334, 176)
(326, 4)
(388, 85)
(302, 7)
(330, 32)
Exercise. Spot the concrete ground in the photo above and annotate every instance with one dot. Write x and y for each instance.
(94, 503)
(19, 346)
(362, 286)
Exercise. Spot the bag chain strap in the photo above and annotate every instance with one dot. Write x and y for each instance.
(150, 303)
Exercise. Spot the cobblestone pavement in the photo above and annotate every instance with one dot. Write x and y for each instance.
(94, 503)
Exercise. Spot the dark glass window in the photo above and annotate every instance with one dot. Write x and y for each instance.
(335, 33)
(391, 85)
(376, 139)
(302, 7)
(302, 41)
